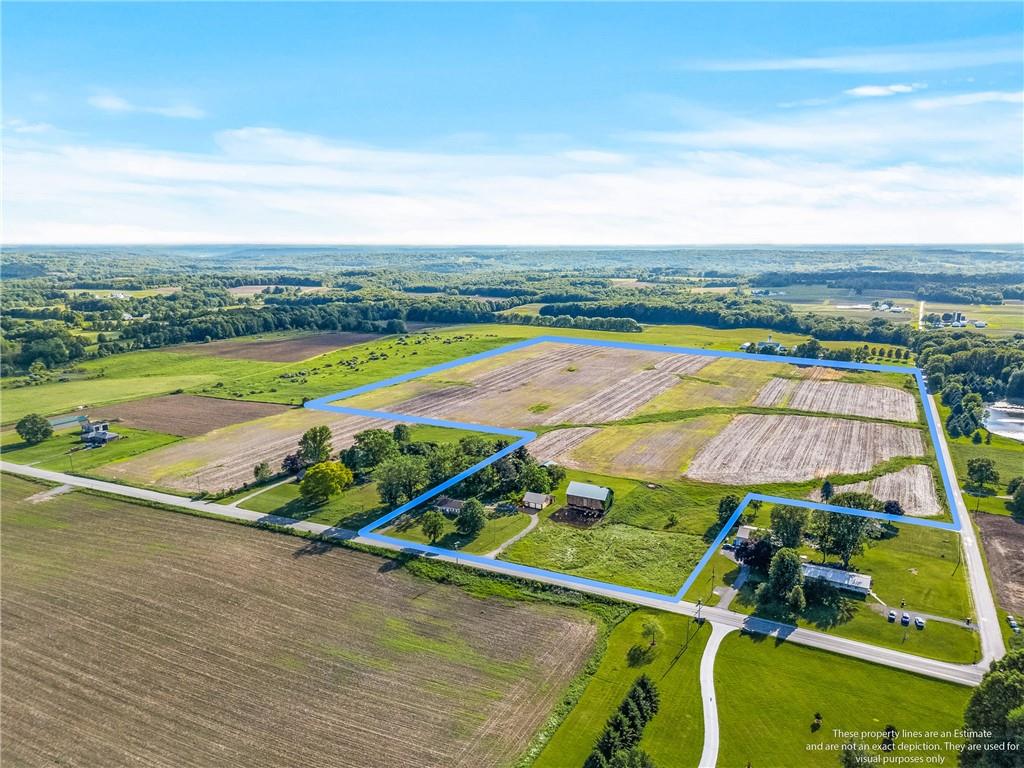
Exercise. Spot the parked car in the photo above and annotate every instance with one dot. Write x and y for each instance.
(919, 622)
(905, 620)
(892, 615)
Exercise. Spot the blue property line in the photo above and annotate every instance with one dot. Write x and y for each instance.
(326, 403)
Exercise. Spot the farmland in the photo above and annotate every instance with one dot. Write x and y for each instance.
(1003, 538)
(913, 487)
(183, 415)
(771, 724)
(287, 349)
(176, 638)
(65, 452)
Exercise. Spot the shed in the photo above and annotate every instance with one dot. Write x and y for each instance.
(847, 580)
(533, 500)
(591, 498)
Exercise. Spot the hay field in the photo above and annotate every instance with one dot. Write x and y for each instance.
(184, 415)
(720, 382)
(135, 636)
(224, 458)
(913, 487)
(761, 449)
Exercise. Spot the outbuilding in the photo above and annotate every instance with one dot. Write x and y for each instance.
(538, 501)
(846, 580)
(587, 498)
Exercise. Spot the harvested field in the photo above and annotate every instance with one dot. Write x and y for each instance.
(626, 396)
(185, 415)
(855, 400)
(913, 487)
(224, 458)
(824, 373)
(762, 449)
(135, 636)
(506, 390)
(557, 445)
(1003, 538)
(775, 393)
(287, 350)
(721, 382)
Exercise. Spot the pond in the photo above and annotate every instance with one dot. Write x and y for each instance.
(1006, 419)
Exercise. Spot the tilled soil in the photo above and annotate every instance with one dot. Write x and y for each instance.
(184, 415)
(1003, 539)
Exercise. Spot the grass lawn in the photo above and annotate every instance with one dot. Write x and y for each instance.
(496, 531)
(63, 452)
(768, 695)
(675, 736)
(720, 572)
(352, 508)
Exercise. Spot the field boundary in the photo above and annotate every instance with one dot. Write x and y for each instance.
(522, 437)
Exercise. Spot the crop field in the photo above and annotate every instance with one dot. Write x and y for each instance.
(771, 724)
(855, 400)
(223, 459)
(1003, 539)
(135, 635)
(913, 487)
(184, 415)
(757, 448)
(287, 350)
(723, 382)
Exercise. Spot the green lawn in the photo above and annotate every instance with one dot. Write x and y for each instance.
(63, 452)
(352, 508)
(768, 694)
(675, 736)
(496, 531)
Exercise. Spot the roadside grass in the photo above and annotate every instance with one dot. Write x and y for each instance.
(352, 508)
(675, 736)
(720, 572)
(989, 504)
(769, 692)
(496, 531)
(64, 453)
(1007, 455)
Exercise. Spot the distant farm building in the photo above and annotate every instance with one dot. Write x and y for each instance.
(533, 500)
(768, 346)
(845, 580)
(449, 506)
(590, 500)
(97, 433)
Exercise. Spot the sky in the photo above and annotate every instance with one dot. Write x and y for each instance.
(547, 124)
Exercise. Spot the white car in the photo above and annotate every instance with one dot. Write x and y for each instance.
(892, 615)
(919, 622)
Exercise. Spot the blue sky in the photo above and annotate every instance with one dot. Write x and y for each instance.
(508, 123)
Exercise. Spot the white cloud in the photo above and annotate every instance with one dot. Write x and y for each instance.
(109, 102)
(17, 125)
(264, 185)
(868, 91)
(918, 58)
(971, 99)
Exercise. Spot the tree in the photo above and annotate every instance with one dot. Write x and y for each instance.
(726, 506)
(291, 464)
(789, 524)
(315, 445)
(997, 707)
(652, 632)
(826, 491)
(323, 480)
(982, 471)
(784, 574)
(840, 535)
(373, 447)
(261, 472)
(757, 551)
(401, 433)
(631, 758)
(1014, 484)
(33, 428)
(432, 524)
(1016, 503)
(892, 507)
(400, 479)
(471, 519)
(796, 600)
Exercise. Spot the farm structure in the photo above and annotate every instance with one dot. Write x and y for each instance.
(590, 500)
(449, 506)
(537, 501)
(849, 581)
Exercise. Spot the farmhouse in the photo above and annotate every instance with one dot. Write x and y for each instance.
(770, 346)
(533, 500)
(449, 506)
(97, 432)
(589, 499)
(846, 580)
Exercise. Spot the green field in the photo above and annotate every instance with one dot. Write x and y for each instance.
(64, 452)
(352, 508)
(496, 531)
(768, 694)
(673, 737)
(1003, 319)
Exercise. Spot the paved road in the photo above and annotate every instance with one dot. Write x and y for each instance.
(992, 645)
(709, 755)
(958, 673)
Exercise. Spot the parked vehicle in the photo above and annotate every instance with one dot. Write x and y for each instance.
(905, 620)
(919, 622)
(892, 615)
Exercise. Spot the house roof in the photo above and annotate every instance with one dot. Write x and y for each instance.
(451, 503)
(587, 491)
(536, 498)
(745, 531)
(835, 576)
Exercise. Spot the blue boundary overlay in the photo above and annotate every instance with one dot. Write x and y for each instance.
(522, 437)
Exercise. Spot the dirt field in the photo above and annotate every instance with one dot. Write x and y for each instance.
(185, 415)
(289, 350)
(775, 393)
(759, 449)
(913, 487)
(557, 445)
(224, 458)
(138, 637)
(855, 400)
(1003, 538)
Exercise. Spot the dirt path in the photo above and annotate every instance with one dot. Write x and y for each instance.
(534, 519)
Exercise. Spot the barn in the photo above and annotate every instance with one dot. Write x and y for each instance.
(588, 499)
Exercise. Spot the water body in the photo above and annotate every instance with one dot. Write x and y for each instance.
(1006, 419)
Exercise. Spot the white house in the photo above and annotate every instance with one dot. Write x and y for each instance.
(847, 580)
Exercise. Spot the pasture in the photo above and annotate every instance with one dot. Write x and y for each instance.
(768, 694)
(132, 633)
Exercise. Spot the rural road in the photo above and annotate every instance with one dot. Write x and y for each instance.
(534, 519)
(965, 674)
(992, 645)
(709, 755)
